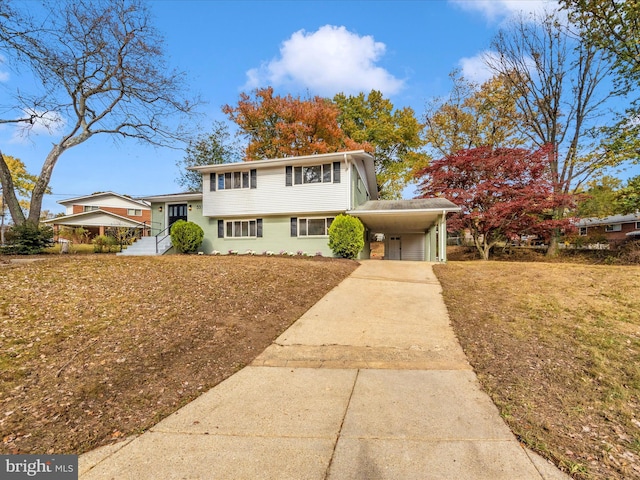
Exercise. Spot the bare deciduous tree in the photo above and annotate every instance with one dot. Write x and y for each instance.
(101, 68)
(561, 96)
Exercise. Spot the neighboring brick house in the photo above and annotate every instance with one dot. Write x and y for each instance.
(615, 229)
(98, 212)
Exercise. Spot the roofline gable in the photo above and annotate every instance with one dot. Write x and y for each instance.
(90, 213)
(271, 162)
(101, 194)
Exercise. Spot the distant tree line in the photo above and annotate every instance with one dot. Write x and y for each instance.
(559, 113)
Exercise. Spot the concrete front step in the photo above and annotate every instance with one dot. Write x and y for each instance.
(146, 246)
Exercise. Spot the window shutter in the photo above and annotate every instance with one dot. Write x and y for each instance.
(288, 171)
(259, 227)
(336, 172)
(212, 182)
(294, 226)
(254, 178)
(220, 228)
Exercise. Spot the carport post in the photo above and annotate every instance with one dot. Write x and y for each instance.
(433, 244)
(442, 237)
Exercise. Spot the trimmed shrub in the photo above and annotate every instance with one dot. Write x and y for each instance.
(28, 239)
(346, 236)
(186, 237)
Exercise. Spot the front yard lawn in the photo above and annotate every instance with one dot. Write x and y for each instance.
(95, 348)
(557, 347)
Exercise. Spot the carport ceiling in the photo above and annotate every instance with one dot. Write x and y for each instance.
(402, 216)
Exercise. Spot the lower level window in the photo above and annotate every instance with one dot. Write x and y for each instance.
(314, 227)
(241, 228)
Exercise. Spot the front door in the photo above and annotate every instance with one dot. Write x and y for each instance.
(177, 212)
(395, 249)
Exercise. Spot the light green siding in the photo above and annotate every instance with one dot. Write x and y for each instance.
(208, 225)
(276, 237)
(157, 218)
(433, 245)
(358, 189)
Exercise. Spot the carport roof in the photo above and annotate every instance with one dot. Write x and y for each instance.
(403, 216)
(95, 218)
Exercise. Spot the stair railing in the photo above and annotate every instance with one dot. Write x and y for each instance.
(164, 236)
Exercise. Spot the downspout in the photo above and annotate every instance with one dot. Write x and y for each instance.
(349, 189)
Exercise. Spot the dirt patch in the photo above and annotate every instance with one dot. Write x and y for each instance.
(96, 348)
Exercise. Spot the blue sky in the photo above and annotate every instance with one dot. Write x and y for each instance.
(406, 49)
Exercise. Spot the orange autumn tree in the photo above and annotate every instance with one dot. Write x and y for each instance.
(277, 126)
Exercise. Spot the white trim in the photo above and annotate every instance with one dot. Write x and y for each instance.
(102, 194)
(306, 219)
(174, 197)
(241, 220)
(76, 216)
(271, 162)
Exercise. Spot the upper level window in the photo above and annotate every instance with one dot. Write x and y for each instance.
(134, 212)
(234, 180)
(325, 173)
(89, 208)
(616, 227)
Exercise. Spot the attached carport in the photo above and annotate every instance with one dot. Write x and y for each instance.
(413, 229)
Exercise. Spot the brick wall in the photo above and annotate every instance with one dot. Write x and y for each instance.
(145, 217)
(613, 236)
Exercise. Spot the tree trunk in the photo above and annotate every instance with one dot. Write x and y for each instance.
(44, 178)
(9, 193)
(552, 251)
(482, 247)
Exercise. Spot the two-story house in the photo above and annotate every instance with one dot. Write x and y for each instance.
(288, 204)
(98, 212)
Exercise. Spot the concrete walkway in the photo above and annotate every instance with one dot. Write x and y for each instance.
(370, 383)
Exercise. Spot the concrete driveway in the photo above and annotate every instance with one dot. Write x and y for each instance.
(370, 383)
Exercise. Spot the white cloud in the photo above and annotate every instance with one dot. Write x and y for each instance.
(47, 123)
(328, 61)
(501, 9)
(475, 68)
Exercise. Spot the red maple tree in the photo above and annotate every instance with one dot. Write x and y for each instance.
(504, 193)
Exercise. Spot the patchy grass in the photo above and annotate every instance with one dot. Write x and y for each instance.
(74, 248)
(557, 347)
(97, 347)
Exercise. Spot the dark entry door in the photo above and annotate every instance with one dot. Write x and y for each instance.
(177, 212)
